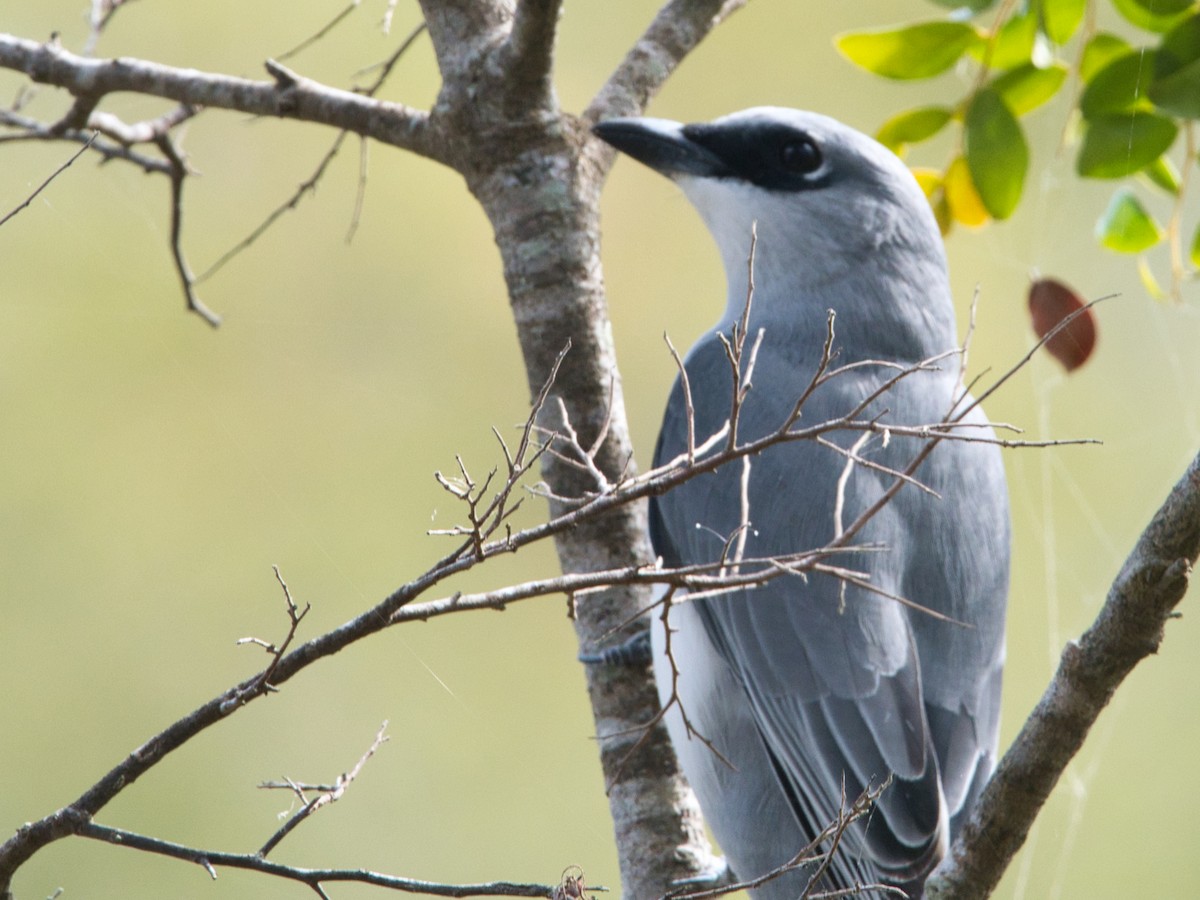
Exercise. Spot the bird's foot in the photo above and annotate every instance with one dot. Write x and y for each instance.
(715, 874)
(633, 652)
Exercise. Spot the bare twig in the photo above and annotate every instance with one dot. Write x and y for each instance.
(101, 14)
(676, 31)
(385, 67)
(295, 616)
(41, 187)
(144, 132)
(297, 98)
(211, 860)
(179, 173)
(33, 130)
(360, 189)
(689, 408)
(321, 32)
(328, 795)
(309, 185)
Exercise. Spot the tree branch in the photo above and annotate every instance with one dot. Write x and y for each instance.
(676, 31)
(211, 859)
(41, 187)
(1129, 628)
(530, 52)
(289, 97)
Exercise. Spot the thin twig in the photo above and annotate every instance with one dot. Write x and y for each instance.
(41, 187)
(211, 860)
(322, 32)
(325, 797)
(178, 175)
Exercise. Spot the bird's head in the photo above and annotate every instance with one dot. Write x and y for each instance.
(830, 204)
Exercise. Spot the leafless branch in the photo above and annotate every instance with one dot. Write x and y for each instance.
(688, 407)
(385, 67)
(674, 699)
(101, 14)
(179, 172)
(41, 187)
(295, 616)
(676, 31)
(321, 32)
(309, 185)
(32, 130)
(212, 860)
(326, 796)
(287, 96)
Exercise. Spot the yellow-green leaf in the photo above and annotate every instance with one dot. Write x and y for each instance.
(996, 152)
(1119, 145)
(966, 206)
(912, 126)
(917, 51)
(1119, 86)
(1194, 254)
(1163, 174)
(1013, 44)
(1126, 226)
(1102, 49)
(1176, 84)
(1061, 18)
(1027, 87)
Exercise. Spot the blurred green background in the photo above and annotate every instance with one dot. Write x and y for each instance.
(153, 470)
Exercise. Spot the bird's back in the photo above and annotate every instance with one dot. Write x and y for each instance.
(814, 685)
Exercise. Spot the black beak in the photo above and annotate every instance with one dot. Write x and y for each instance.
(662, 145)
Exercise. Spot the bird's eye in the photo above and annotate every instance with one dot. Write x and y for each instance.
(800, 155)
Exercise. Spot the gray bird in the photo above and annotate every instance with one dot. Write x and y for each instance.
(808, 686)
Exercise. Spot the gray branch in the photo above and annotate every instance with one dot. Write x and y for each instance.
(1129, 628)
(289, 96)
(253, 862)
(676, 31)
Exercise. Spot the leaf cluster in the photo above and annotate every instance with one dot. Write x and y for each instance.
(1130, 106)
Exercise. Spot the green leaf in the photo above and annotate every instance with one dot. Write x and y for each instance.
(912, 126)
(1061, 18)
(1176, 84)
(1027, 87)
(1126, 227)
(996, 152)
(973, 5)
(1194, 254)
(1120, 86)
(917, 51)
(1013, 44)
(1163, 174)
(1102, 49)
(1119, 145)
(1153, 15)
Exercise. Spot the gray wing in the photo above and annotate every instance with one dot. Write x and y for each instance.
(832, 673)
